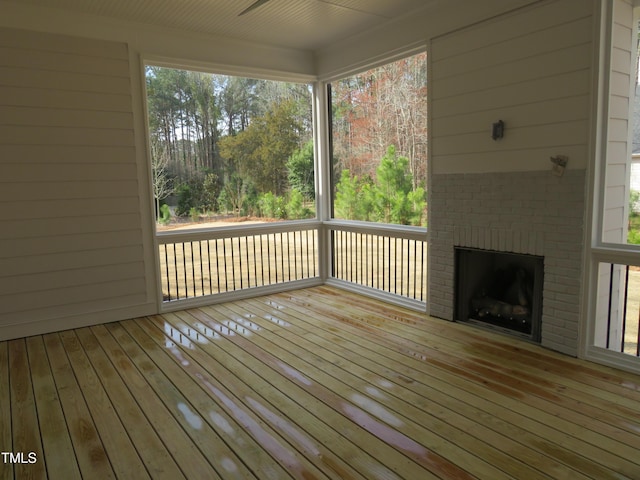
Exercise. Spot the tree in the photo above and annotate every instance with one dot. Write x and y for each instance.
(217, 129)
(384, 106)
(300, 168)
(390, 198)
(353, 199)
(162, 187)
(393, 183)
(261, 151)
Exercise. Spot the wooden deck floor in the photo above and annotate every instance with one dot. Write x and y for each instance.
(316, 383)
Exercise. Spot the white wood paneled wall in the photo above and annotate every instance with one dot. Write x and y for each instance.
(620, 111)
(71, 242)
(531, 68)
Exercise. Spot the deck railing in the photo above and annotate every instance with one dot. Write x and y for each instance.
(618, 308)
(198, 263)
(381, 258)
(387, 258)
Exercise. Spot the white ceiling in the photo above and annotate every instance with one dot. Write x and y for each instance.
(301, 24)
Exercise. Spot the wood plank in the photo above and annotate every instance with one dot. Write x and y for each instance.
(72, 260)
(196, 446)
(478, 355)
(495, 99)
(35, 209)
(566, 109)
(324, 435)
(25, 191)
(123, 456)
(59, 455)
(77, 155)
(24, 419)
(158, 461)
(470, 403)
(79, 170)
(380, 441)
(554, 134)
(63, 135)
(520, 48)
(90, 453)
(34, 117)
(607, 407)
(40, 61)
(19, 229)
(521, 23)
(227, 412)
(73, 277)
(18, 38)
(527, 355)
(505, 394)
(482, 442)
(466, 408)
(6, 441)
(47, 98)
(71, 81)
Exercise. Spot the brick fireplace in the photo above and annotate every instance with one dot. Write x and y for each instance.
(529, 213)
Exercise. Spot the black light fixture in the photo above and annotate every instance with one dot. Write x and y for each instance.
(497, 130)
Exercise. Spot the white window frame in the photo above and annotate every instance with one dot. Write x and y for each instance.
(597, 250)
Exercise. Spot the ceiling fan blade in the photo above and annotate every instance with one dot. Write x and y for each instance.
(253, 6)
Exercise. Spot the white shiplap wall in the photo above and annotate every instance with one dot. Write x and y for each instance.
(71, 241)
(620, 108)
(530, 68)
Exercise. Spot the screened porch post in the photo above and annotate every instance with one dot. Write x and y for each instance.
(322, 157)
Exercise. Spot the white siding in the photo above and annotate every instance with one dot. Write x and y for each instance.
(530, 68)
(619, 146)
(71, 241)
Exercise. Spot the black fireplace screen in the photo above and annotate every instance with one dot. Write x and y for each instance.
(500, 290)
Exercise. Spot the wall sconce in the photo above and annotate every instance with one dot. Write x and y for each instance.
(497, 130)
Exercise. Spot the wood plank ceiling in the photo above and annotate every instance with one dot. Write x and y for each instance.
(301, 24)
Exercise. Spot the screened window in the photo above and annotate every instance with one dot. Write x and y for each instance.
(227, 149)
(379, 144)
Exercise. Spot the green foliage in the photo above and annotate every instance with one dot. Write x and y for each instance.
(165, 214)
(194, 214)
(260, 152)
(224, 202)
(300, 170)
(280, 207)
(390, 199)
(210, 192)
(353, 198)
(633, 236)
(185, 199)
(272, 206)
(237, 195)
(295, 206)
(393, 183)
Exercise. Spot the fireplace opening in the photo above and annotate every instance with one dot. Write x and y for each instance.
(499, 290)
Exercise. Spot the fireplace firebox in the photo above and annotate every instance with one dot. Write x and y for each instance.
(499, 290)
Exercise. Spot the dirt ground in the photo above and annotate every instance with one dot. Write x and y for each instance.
(209, 222)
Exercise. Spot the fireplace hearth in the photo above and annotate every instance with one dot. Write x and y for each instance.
(499, 290)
